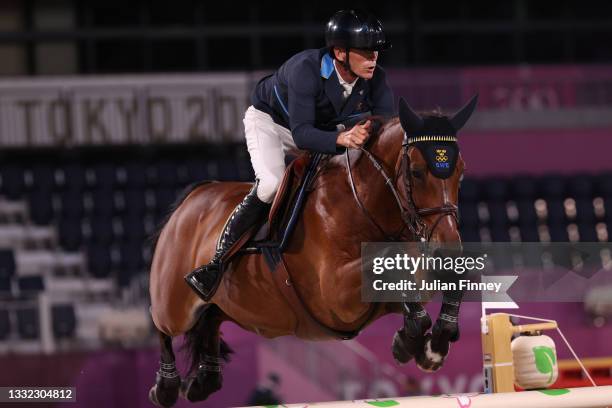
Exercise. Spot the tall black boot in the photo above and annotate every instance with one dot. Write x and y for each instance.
(205, 279)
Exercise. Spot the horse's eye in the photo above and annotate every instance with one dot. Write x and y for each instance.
(417, 174)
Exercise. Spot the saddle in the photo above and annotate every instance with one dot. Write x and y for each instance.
(288, 202)
(272, 238)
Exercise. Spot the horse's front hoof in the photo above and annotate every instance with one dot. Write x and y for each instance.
(399, 349)
(155, 401)
(429, 360)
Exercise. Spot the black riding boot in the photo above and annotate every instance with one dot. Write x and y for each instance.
(205, 279)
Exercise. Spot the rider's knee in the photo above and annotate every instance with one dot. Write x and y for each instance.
(267, 188)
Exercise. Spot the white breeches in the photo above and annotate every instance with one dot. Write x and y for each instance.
(268, 143)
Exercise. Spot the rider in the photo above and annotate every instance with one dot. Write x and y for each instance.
(307, 104)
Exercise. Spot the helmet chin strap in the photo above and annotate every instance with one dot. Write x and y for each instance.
(346, 63)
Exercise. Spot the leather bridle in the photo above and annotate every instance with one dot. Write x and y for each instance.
(411, 216)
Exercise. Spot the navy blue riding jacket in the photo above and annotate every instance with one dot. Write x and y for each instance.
(305, 96)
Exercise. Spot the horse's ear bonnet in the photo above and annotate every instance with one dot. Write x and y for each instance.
(435, 135)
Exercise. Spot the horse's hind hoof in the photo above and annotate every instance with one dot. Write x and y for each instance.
(429, 360)
(185, 385)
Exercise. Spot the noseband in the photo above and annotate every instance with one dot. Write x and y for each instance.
(412, 217)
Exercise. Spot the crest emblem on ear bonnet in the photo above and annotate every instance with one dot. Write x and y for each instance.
(435, 135)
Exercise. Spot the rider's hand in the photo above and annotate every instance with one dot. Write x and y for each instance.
(354, 137)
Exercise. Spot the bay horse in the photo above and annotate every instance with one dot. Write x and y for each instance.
(385, 192)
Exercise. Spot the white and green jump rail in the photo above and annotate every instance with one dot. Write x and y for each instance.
(585, 397)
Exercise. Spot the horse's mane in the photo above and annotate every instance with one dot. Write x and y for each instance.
(154, 237)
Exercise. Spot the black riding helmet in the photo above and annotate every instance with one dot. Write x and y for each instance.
(356, 29)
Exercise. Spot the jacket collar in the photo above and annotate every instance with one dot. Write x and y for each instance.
(334, 90)
(327, 66)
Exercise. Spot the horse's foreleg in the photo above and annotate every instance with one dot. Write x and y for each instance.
(444, 332)
(409, 341)
(167, 381)
(210, 352)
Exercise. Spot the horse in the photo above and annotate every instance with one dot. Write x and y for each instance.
(385, 191)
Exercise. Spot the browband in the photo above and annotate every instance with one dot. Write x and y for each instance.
(428, 138)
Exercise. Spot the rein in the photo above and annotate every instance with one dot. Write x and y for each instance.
(411, 216)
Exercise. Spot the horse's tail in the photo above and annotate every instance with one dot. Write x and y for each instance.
(196, 338)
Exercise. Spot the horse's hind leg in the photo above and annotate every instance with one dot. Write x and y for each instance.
(209, 352)
(444, 332)
(167, 381)
(409, 341)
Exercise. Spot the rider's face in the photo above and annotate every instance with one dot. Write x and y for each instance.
(362, 62)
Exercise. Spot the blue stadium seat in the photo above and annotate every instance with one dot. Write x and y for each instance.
(526, 210)
(524, 187)
(70, 233)
(196, 170)
(7, 263)
(529, 232)
(580, 186)
(103, 202)
(133, 227)
(166, 174)
(99, 260)
(556, 211)
(43, 178)
(604, 185)
(28, 323)
(6, 290)
(41, 207)
(71, 203)
(13, 182)
(101, 230)
(135, 176)
(134, 201)
(105, 176)
(499, 233)
(63, 320)
(30, 284)
(228, 170)
(585, 212)
(132, 262)
(73, 177)
(558, 233)
(552, 186)
(587, 232)
(468, 214)
(498, 215)
(469, 191)
(5, 324)
(496, 189)
(469, 233)
(164, 198)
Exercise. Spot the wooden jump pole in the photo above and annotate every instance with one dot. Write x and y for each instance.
(497, 332)
(586, 397)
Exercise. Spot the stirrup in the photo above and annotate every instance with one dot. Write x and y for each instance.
(205, 280)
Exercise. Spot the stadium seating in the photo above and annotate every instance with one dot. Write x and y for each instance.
(105, 205)
(63, 319)
(5, 324)
(28, 323)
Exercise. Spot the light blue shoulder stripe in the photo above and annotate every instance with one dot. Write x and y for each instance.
(327, 66)
(280, 100)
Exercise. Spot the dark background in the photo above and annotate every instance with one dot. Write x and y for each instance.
(115, 36)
